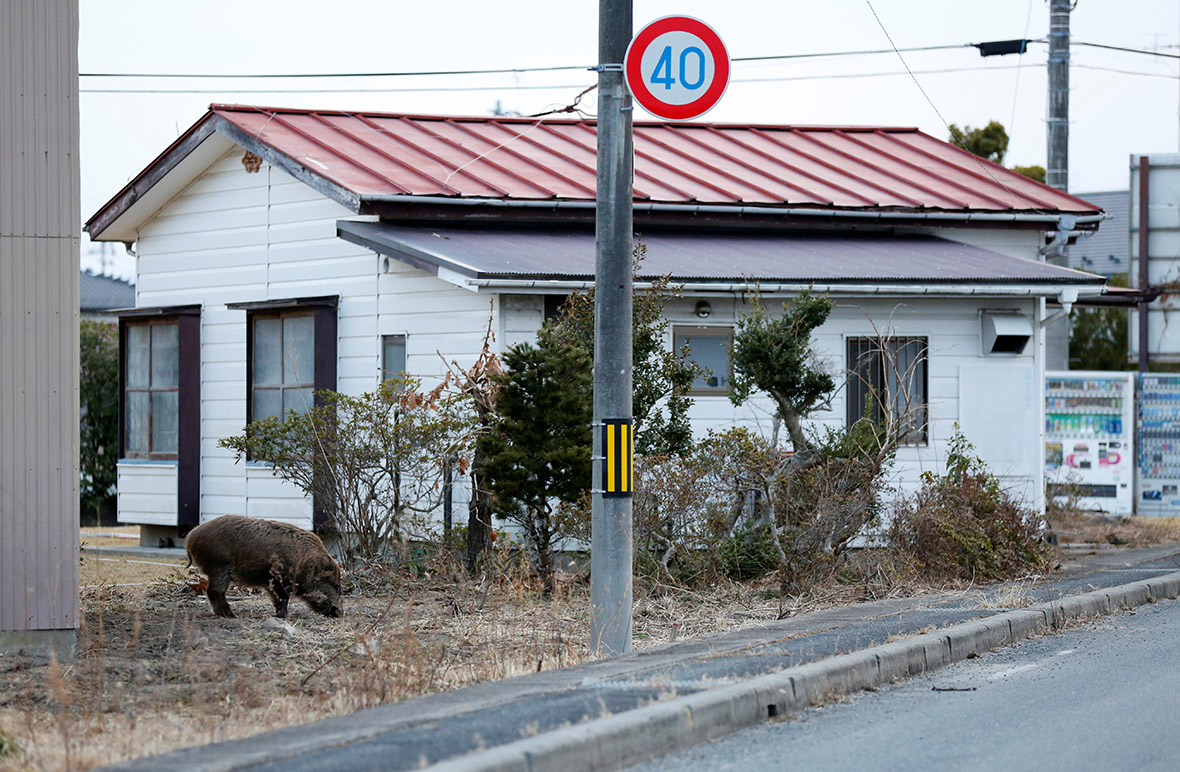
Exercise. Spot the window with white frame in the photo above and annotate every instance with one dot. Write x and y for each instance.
(708, 347)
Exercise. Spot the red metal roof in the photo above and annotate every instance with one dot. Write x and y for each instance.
(358, 157)
(374, 154)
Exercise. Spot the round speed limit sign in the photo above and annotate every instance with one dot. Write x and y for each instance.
(677, 68)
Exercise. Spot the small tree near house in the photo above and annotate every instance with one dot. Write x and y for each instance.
(661, 378)
(376, 459)
(99, 400)
(538, 451)
(816, 499)
(476, 386)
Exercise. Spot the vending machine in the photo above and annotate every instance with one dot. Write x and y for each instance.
(1159, 445)
(1089, 440)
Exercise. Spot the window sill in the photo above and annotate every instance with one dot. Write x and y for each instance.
(148, 461)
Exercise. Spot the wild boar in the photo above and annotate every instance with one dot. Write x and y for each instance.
(278, 557)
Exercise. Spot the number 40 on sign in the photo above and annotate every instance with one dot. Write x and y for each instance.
(677, 68)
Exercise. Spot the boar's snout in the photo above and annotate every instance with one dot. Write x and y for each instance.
(325, 601)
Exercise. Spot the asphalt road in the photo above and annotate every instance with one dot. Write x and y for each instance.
(1099, 697)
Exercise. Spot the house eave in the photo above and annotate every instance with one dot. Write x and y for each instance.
(541, 286)
(410, 207)
(181, 163)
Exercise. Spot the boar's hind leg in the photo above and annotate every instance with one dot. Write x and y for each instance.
(218, 584)
(280, 595)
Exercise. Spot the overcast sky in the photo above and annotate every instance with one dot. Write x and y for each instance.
(1121, 103)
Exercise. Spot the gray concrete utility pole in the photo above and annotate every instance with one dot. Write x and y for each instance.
(611, 545)
(1057, 157)
(1057, 171)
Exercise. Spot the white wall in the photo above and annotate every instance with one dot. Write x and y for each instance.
(234, 236)
(147, 492)
(952, 327)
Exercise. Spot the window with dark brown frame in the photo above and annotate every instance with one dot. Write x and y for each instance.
(708, 347)
(282, 366)
(889, 375)
(290, 354)
(160, 396)
(151, 393)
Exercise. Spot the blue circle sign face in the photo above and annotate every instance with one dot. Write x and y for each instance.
(677, 68)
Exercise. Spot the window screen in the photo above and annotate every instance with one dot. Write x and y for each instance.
(393, 356)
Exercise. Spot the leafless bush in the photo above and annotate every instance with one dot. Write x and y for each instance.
(964, 525)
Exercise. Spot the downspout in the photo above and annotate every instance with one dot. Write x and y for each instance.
(1067, 298)
(1065, 227)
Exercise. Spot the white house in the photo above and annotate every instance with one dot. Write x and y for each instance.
(285, 250)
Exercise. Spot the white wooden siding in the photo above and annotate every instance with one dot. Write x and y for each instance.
(521, 316)
(234, 236)
(1015, 243)
(952, 328)
(274, 499)
(147, 492)
(437, 318)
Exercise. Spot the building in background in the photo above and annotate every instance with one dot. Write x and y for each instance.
(1154, 230)
(99, 295)
(39, 242)
(1106, 251)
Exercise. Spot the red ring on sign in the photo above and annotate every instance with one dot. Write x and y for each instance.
(652, 103)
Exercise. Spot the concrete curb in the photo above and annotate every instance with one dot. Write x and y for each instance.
(681, 722)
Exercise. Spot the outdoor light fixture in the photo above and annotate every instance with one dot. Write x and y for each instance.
(703, 309)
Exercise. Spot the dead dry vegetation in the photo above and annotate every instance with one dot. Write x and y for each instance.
(1074, 527)
(156, 671)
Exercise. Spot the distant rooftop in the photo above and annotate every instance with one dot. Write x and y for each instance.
(102, 293)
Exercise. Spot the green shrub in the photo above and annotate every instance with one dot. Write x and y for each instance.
(99, 426)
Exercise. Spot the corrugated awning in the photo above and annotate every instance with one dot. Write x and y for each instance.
(723, 257)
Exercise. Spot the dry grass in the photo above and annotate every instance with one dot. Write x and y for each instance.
(1010, 596)
(111, 536)
(156, 670)
(1074, 527)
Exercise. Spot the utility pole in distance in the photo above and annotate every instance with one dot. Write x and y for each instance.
(1057, 157)
(611, 541)
(1057, 171)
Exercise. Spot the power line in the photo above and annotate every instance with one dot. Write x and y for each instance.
(770, 79)
(419, 73)
(500, 71)
(421, 89)
(1169, 76)
(856, 53)
(564, 68)
(1127, 50)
